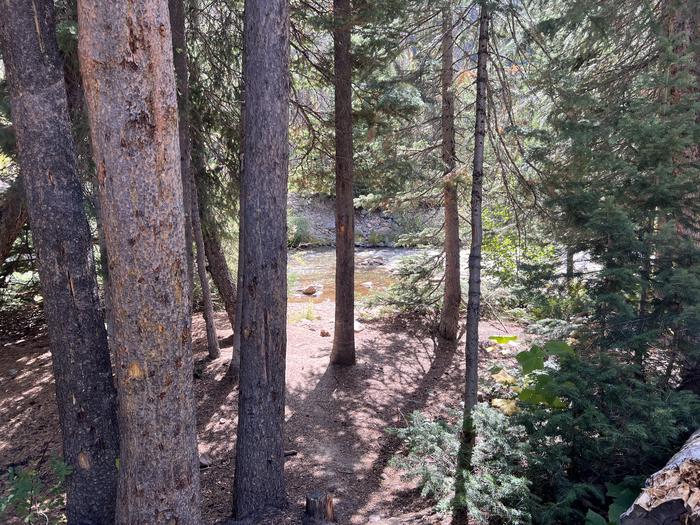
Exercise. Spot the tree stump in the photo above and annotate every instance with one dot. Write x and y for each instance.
(319, 509)
(671, 495)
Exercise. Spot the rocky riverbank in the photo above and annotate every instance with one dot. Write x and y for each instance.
(311, 222)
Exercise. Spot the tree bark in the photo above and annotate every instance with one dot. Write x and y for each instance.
(84, 386)
(13, 217)
(127, 66)
(671, 494)
(212, 340)
(343, 352)
(193, 224)
(176, 9)
(464, 459)
(684, 22)
(259, 471)
(218, 267)
(449, 318)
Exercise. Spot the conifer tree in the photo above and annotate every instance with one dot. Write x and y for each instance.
(85, 391)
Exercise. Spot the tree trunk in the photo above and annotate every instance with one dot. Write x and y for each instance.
(671, 495)
(464, 459)
(193, 225)
(13, 217)
(218, 267)
(344, 333)
(212, 340)
(684, 21)
(449, 318)
(127, 65)
(259, 471)
(176, 8)
(84, 386)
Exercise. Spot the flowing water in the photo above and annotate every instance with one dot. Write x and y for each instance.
(315, 267)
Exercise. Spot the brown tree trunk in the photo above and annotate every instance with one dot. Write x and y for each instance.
(13, 217)
(344, 332)
(259, 471)
(127, 66)
(193, 224)
(84, 386)
(212, 340)
(684, 22)
(218, 267)
(176, 8)
(464, 460)
(449, 318)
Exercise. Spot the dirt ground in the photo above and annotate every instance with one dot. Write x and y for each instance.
(336, 418)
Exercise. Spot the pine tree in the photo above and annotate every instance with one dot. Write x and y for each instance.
(259, 470)
(84, 386)
(126, 61)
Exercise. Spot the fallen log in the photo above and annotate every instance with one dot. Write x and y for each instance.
(671, 496)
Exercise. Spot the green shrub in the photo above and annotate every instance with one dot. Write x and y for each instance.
(496, 493)
(26, 497)
(298, 231)
(594, 427)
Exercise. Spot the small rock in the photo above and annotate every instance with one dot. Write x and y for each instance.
(310, 290)
(13, 372)
(367, 284)
(204, 461)
(359, 326)
(325, 333)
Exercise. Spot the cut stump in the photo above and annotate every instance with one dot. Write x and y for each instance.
(319, 509)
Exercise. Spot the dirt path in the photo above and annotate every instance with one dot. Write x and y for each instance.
(336, 418)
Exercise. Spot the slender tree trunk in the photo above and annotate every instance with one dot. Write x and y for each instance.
(84, 386)
(127, 66)
(449, 318)
(344, 333)
(176, 9)
(218, 267)
(259, 471)
(570, 267)
(464, 460)
(212, 340)
(13, 217)
(193, 224)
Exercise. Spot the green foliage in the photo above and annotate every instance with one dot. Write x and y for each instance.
(28, 498)
(496, 493)
(416, 291)
(298, 231)
(593, 425)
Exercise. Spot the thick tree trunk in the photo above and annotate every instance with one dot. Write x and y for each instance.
(13, 217)
(464, 459)
(671, 495)
(449, 318)
(127, 65)
(212, 340)
(84, 386)
(344, 333)
(259, 471)
(176, 9)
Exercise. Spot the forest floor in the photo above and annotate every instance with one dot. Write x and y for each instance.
(336, 418)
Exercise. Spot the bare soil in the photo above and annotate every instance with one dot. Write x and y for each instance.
(337, 418)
